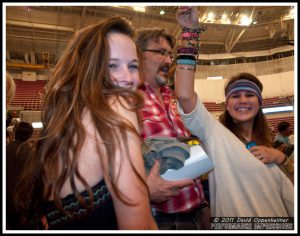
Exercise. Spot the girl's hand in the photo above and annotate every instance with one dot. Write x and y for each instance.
(267, 154)
(188, 17)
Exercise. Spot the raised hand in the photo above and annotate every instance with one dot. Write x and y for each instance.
(188, 17)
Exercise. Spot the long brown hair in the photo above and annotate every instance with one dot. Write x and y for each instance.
(261, 131)
(80, 80)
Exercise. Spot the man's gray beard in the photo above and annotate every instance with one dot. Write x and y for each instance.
(161, 81)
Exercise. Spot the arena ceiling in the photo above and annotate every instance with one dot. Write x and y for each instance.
(33, 32)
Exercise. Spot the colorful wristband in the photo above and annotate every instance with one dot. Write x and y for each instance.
(188, 43)
(186, 62)
(197, 30)
(189, 57)
(185, 67)
(186, 35)
(191, 50)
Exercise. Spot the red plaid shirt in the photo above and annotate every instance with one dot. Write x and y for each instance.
(158, 120)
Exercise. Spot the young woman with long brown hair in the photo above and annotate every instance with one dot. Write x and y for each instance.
(86, 170)
(244, 117)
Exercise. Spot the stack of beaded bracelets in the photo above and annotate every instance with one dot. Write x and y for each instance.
(188, 48)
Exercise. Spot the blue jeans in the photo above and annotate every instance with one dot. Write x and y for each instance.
(198, 219)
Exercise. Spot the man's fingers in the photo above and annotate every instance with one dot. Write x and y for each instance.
(181, 183)
(155, 168)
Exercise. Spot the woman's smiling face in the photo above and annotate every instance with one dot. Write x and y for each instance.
(123, 61)
(243, 106)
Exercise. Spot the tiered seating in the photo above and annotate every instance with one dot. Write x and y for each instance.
(277, 101)
(28, 94)
(213, 107)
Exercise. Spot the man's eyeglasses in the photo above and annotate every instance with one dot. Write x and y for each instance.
(162, 52)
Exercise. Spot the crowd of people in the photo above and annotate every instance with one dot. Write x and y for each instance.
(107, 95)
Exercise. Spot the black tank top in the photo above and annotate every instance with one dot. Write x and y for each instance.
(101, 217)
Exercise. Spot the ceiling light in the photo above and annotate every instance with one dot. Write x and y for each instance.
(162, 12)
(245, 20)
(224, 16)
(277, 109)
(210, 16)
(139, 8)
(225, 19)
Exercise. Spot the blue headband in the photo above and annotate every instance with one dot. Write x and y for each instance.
(244, 84)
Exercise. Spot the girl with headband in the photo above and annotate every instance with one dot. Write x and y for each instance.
(240, 185)
(244, 117)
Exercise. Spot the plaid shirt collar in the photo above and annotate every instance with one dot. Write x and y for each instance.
(166, 92)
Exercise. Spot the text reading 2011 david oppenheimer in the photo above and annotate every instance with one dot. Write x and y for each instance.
(250, 223)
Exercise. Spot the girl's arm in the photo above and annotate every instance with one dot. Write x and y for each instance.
(187, 51)
(136, 216)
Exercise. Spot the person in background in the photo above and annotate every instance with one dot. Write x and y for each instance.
(181, 204)
(10, 88)
(12, 126)
(240, 185)
(85, 170)
(288, 165)
(9, 119)
(291, 139)
(9, 136)
(16, 154)
(10, 93)
(283, 129)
